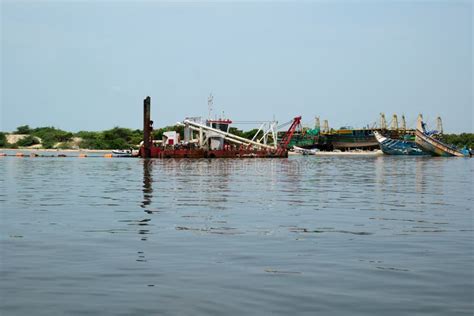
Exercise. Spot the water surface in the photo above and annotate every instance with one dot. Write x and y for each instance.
(334, 235)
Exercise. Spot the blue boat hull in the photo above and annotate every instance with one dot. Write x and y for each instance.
(399, 147)
(402, 148)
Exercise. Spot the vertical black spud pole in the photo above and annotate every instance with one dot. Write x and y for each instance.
(146, 128)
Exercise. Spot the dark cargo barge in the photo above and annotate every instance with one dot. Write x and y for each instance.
(348, 139)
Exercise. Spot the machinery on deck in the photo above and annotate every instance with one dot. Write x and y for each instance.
(212, 139)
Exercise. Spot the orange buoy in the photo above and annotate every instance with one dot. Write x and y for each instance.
(82, 155)
(2, 154)
(20, 154)
(108, 156)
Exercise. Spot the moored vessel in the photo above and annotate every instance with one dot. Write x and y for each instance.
(391, 146)
(433, 146)
(211, 139)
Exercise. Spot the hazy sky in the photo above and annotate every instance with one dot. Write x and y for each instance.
(87, 65)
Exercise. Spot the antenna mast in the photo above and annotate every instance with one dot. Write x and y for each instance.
(210, 104)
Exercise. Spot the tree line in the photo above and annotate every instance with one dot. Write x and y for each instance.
(120, 137)
(115, 138)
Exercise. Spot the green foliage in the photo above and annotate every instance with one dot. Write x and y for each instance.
(123, 138)
(24, 129)
(236, 131)
(28, 141)
(49, 135)
(461, 140)
(246, 134)
(115, 138)
(3, 140)
(250, 134)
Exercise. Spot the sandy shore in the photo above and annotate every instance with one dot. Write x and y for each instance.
(349, 153)
(342, 153)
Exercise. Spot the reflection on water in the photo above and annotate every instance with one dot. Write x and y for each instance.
(355, 235)
(147, 184)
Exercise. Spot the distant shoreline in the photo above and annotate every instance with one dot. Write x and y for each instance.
(57, 150)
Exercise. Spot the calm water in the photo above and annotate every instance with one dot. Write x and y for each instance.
(353, 236)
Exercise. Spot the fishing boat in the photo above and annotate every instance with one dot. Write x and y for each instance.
(391, 146)
(435, 147)
(124, 153)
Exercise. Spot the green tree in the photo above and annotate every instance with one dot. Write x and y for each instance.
(115, 138)
(24, 129)
(51, 135)
(461, 140)
(3, 140)
(28, 141)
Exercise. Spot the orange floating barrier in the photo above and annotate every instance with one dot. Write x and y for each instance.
(2, 154)
(33, 155)
(20, 154)
(82, 155)
(108, 156)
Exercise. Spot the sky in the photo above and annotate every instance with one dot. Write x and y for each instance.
(88, 65)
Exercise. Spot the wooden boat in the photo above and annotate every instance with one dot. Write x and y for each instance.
(391, 146)
(433, 146)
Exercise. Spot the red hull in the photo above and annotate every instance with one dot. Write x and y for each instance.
(157, 152)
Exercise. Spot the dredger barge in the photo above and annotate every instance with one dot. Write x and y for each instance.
(211, 139)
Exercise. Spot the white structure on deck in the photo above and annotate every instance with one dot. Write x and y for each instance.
(213, 134)
(170, 138)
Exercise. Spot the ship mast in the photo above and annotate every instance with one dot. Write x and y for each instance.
(383, 122)
(394, 122)
(439, 125)
(419, 122)
(317, 124)
(326, 126)
(404, 124)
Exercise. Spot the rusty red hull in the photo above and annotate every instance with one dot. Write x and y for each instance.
(157, 152)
